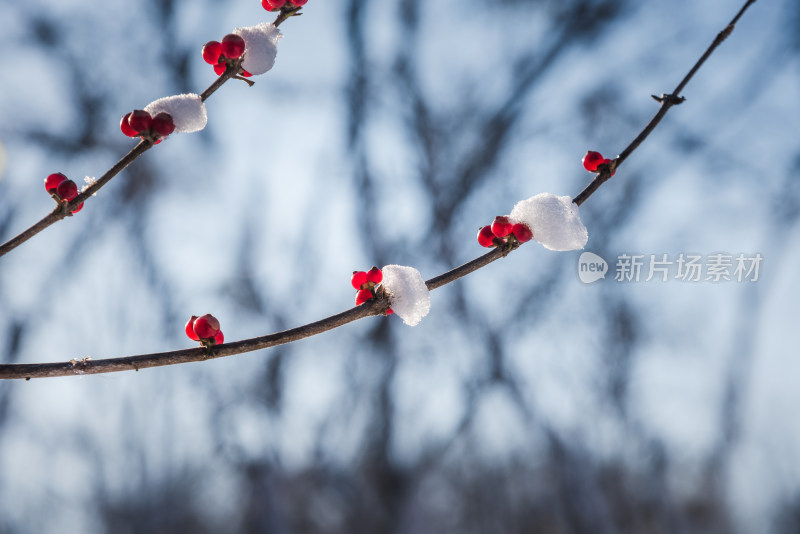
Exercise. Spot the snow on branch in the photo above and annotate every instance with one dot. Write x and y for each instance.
(408, 294)
(188, 111)
(554, 220)
(261, 47)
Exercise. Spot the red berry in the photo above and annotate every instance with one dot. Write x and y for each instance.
(162, 124)
(389, 311)
(363, 296)
(358, 279)
(190, 329)
(219, 69)
(374, 275)
(53, 181)
(78, 208)
(211, 52)
(232, 46)
(126, 127)
(486, 237)
(206, 326)
(246, 74)
(522, 232)
(299, 3)
(219, 339)
(272, 5)
(67, 190)
(139, 120)
(501, 226)
(591, 160)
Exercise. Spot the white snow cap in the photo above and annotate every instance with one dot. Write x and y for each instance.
(261, 47)
(188, 111)
(408, 294)
(554, 220)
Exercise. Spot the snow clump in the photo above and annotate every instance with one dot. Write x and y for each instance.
(554, 220)
(408, 294)
(261, 47)
(188, 111)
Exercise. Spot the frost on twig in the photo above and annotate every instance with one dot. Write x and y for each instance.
(188, 111)
(554, 220)
(89, 181)
(408, 293)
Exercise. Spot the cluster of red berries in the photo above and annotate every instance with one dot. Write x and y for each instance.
(205, 329)
(502, 231)
(62, 189)
(365, 282)
(139, 123)
(592, 160)
(220, 54)
(275, 5)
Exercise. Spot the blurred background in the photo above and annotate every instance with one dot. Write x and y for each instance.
(389, 132)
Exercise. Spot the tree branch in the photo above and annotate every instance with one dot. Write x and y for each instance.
(667, 101)
(375, 306)
(65, 209)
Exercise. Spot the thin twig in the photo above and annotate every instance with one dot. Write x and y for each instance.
(375, 306)
(667, 101)
(224, 77)
(467, 268)
(65, 210)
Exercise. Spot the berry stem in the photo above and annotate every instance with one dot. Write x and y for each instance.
(287, 11)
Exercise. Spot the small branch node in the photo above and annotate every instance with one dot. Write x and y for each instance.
(64, 209)
(508, 247)
(668, 98)
(725, 33)
(80, 365)
(383, 302)
(606, 171)
(208, 344)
